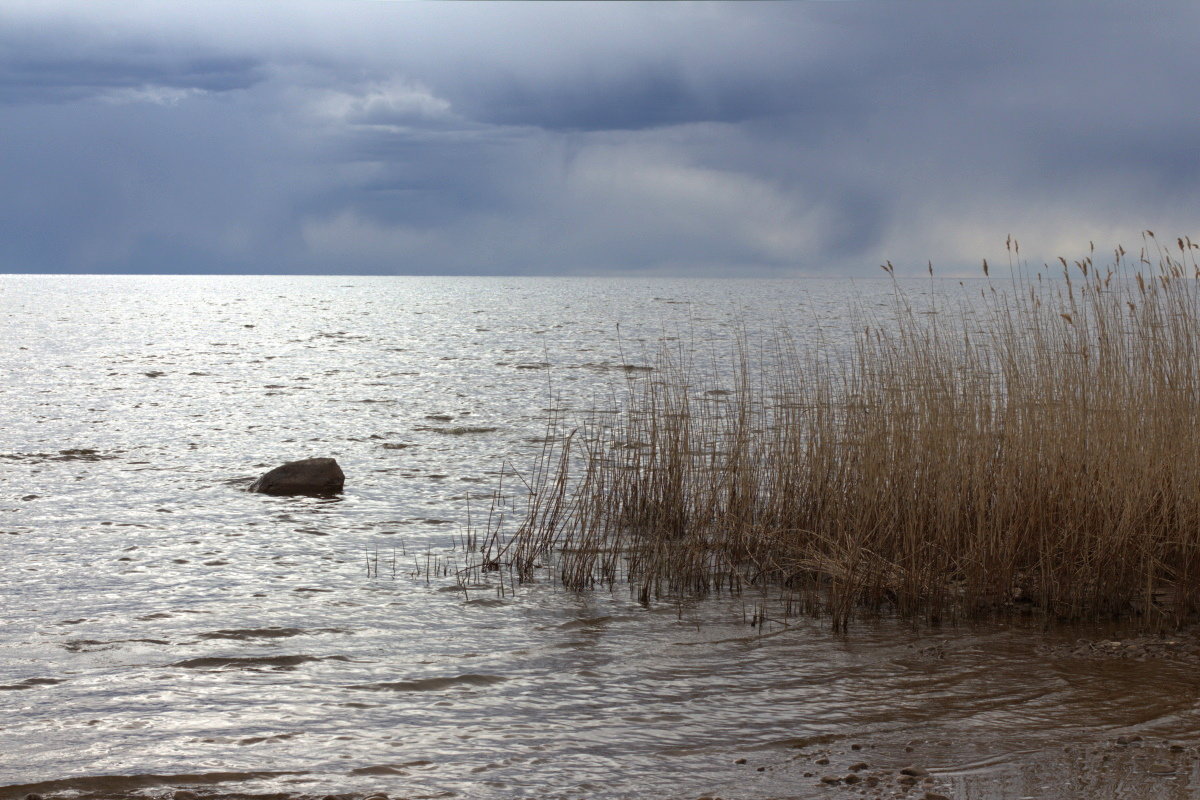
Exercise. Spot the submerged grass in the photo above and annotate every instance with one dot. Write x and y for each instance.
(1034, 448)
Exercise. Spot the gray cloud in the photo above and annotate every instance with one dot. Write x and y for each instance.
(41, 79)
(738, 138)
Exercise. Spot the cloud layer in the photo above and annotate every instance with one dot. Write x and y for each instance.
(624, 138)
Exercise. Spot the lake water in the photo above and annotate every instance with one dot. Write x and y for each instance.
(160, 627)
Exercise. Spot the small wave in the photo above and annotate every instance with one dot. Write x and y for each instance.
(379, 769)
(587, 622)
(252, 662)
(252, 633)
(431, 684)
(241, 482)
(30, 683)
(799, 742)
(110, 785)
(591, 623)
(74, 454)
(457, 430)
(390, 769)
(279, 737)
(95, 645)
(609, 367)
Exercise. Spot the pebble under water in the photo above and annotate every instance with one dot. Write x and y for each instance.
(163, 629)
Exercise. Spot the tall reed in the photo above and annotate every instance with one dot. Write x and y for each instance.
(1034, 448)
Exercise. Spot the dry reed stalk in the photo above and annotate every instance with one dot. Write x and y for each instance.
(1035, 449)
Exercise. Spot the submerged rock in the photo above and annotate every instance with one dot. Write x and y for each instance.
(309, 476)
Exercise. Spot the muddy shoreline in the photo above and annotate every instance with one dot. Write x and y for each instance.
(1116, 768)
(870, 766)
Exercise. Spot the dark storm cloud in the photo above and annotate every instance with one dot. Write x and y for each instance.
(38, 79)
(696, 138)
(62, 59)
(638, 96)
(650, 97)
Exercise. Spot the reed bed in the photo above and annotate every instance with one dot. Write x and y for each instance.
(1030, 447)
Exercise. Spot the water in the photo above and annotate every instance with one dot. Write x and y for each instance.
(160, 627)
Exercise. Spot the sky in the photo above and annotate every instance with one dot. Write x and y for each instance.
(706, 139)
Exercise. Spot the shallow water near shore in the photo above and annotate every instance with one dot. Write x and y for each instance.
(162, 628)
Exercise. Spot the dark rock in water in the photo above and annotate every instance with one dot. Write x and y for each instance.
(311, 476)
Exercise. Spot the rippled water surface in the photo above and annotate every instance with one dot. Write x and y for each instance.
(161, 627)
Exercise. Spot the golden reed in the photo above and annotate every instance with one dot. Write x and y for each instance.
(1035, 449)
